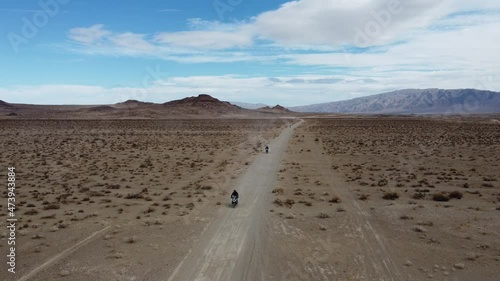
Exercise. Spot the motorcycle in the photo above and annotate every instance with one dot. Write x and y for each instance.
(234, 201)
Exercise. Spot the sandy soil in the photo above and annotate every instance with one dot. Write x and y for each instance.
(152, 186)
(333, 202)
(339, 198)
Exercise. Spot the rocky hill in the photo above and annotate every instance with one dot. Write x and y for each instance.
(202, 105)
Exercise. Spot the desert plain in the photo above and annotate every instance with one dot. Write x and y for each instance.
(337, 198)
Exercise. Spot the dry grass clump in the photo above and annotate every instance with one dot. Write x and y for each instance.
(289, 202)
(278, 191)
(418, 195)
(51, 206)
(335, 199)
(278, 202)
(363, 197)
(456, 195)
(134, 196)
(130, 239)
(440, 197)
(31, 212)
(390, 196)
(323, 216)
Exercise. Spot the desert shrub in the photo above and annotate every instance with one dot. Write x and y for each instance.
(440, 197)
(278, 190)
(289, 202)
(363, 197)
(134, 196)
(206, 187)
(335, 199)
(278, 202)
(52, 206)
(382, 182)
(130, 240)
(323, 216)
(456, 195)
(418, 195)
(390, 196)
(31, 212)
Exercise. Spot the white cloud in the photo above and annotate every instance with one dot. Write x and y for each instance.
(205, 39)
(432, 50)
(343, 22)
(132, 41)
(88, 35)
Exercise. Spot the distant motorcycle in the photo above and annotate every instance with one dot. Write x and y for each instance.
(234, 201)
(267, 149)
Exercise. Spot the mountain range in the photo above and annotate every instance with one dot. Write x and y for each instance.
(410, 101)
(414, 101)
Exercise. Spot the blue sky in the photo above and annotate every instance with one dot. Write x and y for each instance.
(291, 53)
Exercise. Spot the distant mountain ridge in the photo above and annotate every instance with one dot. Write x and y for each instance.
(414, 101)
(249, 105)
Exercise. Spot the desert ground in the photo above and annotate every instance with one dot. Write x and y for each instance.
(336, 198)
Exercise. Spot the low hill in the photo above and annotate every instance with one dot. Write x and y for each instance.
(275, 109)
(249, 105)
(415, 101)
(5, 105)
(203, 105)
(132, 104)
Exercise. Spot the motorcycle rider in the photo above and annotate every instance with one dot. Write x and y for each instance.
(235, 194)
(234, 198)
(267, 149)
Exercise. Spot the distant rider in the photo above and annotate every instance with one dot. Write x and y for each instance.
(267, 149)
(235, 194)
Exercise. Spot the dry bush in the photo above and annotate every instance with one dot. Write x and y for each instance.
(131, 239)
(419, 229)
(278, 202)
(390, 196)
(418, 195)
(335, 199)
(440, 197)
(456, 195)
(289, 202)
(323, 216)
(134, 196)
(52, 206)
(31, 212)
(278, 191)
(363, 197)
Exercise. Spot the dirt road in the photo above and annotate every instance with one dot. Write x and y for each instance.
(230, 247)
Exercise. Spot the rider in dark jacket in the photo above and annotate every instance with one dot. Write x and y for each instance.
(235, 194)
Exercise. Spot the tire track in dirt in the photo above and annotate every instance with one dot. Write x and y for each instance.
(63, 254)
